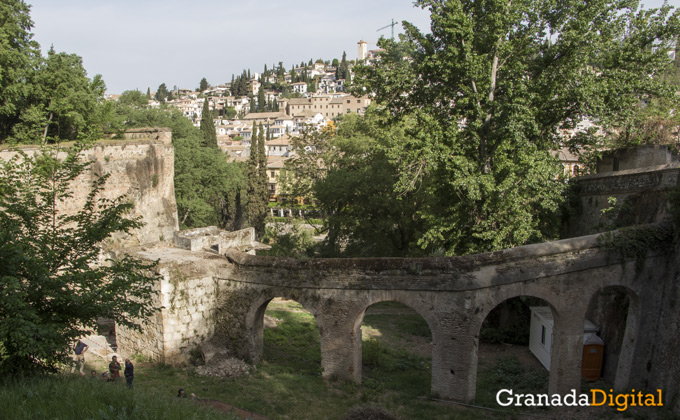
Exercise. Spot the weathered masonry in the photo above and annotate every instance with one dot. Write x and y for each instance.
(222, 298)
(140, 167)
(211, 290)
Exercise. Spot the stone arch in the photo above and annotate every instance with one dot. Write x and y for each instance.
(605, 309)
(255, 317)
(501, 296)
(356, 317)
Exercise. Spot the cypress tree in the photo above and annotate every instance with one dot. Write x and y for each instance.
(257, 181)
(251, 173)
(261, 102)
(207, 126)
(262, 179)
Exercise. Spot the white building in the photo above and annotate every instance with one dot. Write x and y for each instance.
(541, 333)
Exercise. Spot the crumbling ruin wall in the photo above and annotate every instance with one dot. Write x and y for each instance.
(187, 302)
(641, 196)
(140, 168)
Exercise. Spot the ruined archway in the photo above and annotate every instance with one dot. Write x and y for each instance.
(396, 348)
(297, 327)
(616, 312)
(290, 338)
(382, 331)
(514, 348)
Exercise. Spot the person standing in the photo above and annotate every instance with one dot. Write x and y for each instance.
(79, 348)
(114, 368)
(129, 372)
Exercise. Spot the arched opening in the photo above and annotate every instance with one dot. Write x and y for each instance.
(615, 310)
(514, 348)
(290, 338)
(396, 349)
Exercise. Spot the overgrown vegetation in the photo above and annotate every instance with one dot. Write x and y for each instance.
(53, 283)
(637, 241)
(288, 240)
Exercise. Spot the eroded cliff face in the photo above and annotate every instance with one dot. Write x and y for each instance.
(141, 168)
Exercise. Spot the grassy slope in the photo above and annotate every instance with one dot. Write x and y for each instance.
(288, 383)
(73, 397)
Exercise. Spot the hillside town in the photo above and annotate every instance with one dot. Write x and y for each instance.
(310, 95)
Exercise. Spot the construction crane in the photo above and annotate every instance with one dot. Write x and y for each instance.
(385, 27)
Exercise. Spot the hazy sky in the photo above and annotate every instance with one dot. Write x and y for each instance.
(135, 44)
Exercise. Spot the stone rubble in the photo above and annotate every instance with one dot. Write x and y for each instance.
(219, 363)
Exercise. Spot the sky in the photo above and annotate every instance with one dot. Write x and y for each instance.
(139, 44)
(143, 43)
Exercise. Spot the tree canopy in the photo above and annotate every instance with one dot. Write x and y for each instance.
(490, 90)
(203, 85)
(351, 179)
(48, 98)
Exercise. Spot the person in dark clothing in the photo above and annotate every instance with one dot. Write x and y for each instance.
(129, 372)
(114, 368)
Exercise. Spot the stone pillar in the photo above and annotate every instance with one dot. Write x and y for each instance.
(454, 358)
(340, 348)
(623, 369)
(567, 351)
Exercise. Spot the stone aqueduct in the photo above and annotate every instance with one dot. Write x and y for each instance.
(210, 291)
(454, 295)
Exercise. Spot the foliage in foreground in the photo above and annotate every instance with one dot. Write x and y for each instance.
(54, 284)
(65, 398)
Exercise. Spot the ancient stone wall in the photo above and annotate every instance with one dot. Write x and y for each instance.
(641, 196)
(142, 169)
(662, 364)
(187, 302)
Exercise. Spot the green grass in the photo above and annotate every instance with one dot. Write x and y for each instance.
(508, 373)
(287, 384)
(73, 397)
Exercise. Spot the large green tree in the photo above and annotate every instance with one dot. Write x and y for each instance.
(162, 93)
(491, 87)
(261, 101)
(203, 85)
(53, 285)
(19, 58)
(67, 98)
(42, 98)
(351, 179)
(134, 98)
